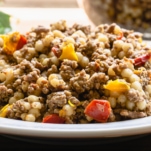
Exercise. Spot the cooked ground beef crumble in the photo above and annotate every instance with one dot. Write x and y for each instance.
(61, 69)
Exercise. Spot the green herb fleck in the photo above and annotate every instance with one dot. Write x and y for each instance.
(5, 25)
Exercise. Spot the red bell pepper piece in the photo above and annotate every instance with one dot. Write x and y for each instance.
(56, 50)
(142, 59)
(22, 41)
(99, 110)
(53, 118)
(120, 36)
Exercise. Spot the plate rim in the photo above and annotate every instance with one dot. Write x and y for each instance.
(99, 130)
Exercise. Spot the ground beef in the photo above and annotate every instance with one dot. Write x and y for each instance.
(92, 94)
(31, 77)
(135, 96)
(17, 84)
(132, 114)
(41, 29)
(144, 77)
(85, 29)
(88, 48)
(67, 69)
(96, 80)
(27, 66)
(56, 99)
(79, 82)
(17, 109)
(5, 94)
(38, 65)
(53, 69)
(33, 89)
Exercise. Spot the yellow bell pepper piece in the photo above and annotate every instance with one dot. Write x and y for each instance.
(10, 42)
(68, 52)
(137, 72)
(140, 40)
(117, 85)
(62, 113)
(4, 110)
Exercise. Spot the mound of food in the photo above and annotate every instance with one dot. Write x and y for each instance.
(75, 74)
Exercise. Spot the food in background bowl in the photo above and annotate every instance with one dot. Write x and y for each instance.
(75, 74)
(129, 14)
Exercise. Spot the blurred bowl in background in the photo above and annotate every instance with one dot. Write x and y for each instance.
(129, 14)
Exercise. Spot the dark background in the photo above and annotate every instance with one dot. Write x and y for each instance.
(139, 143)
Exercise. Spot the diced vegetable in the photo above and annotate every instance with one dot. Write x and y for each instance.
(117, 85)
(142, 59)
(99, 110)
(13, 41)
(22, 41)
(4, 110)
(120, 36)
(53, 118)
(56, 50)
(68, 52)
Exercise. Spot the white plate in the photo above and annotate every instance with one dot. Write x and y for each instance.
(102, 130)
(18, 128)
